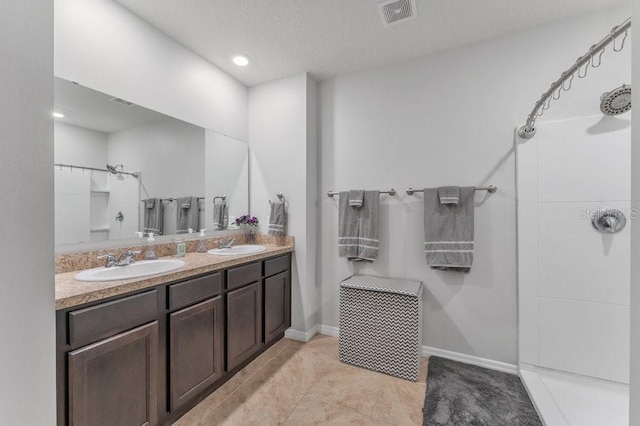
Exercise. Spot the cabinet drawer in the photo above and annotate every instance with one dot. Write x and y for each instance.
(100, 320)
(242, 275)
(195, 290)
(273, 266)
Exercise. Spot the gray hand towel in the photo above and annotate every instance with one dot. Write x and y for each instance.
(277, 219)
(448, 231)
(449, 194)
(153, 216)
(356, 197)
(358, 228)
(220, 216)
(188, 217)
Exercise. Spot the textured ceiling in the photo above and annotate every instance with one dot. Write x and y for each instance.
(331, 37)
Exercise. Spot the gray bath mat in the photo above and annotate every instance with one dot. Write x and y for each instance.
(462, 394)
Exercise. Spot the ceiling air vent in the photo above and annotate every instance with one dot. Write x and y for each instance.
(122, 102)
(395, 11)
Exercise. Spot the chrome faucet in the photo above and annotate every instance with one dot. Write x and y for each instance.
(227, 244)
(111, 260)
(127, 258)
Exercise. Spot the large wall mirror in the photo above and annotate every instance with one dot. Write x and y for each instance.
(112, 158)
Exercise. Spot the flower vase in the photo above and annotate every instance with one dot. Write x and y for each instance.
(250, 238)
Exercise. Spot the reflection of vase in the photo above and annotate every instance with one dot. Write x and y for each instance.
(250, 238)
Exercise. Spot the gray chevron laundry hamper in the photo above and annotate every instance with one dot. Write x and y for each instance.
(381, 324)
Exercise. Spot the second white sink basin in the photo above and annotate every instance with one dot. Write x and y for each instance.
(236, 250)
(135, 270)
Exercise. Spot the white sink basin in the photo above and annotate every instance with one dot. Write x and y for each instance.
(135, 270)
(236, 250)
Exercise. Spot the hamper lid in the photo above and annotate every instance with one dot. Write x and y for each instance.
(384, 284)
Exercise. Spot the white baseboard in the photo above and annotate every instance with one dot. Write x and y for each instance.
(428, 351)
(328, 330)
(303, 336)
(470, 359)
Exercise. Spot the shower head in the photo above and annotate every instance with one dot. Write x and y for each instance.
(114, 169)
(616, 101)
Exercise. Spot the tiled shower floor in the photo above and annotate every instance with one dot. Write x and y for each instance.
(297, 383)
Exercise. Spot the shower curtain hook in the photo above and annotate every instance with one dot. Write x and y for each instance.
(586, 68)
(593, 64)
(567, 88)
(558, 91)
(613, 39)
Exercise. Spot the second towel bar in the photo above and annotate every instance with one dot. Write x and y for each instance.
(491, 188)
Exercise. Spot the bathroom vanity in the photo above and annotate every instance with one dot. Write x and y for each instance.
(146, 351)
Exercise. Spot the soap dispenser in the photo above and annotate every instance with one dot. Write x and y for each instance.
(150, 254)
(202, 246)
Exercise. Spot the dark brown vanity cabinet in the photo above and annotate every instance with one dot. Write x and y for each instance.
(244, 323)
(277, 298)
(108, 360)
(113, 381)
(148, 357)
(196, 338)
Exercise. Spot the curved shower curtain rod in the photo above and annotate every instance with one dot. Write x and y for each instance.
(83, 168)
(528, 130)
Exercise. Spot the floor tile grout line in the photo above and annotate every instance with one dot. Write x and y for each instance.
(241, 384)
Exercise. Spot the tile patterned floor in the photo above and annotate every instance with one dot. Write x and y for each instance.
(295, 383)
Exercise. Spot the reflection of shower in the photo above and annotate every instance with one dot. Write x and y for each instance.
(616, 101)
(121, 172)
(114, 170)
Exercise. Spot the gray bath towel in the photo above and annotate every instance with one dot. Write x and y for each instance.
(358, 227)
(448, 231)
(277, 219)
(188, 215)
(449, 194)
(220, 216)
(153, 216)
(356, 197)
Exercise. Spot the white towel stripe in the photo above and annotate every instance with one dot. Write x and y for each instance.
(448, 242)
(358, 245)
(357, 238)
(448, 251)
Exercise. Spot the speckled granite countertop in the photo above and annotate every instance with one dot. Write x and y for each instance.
(70, 292)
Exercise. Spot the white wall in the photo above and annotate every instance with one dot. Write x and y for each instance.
(282, 154)
(574, 281)
(448, 119)
(169, 154)
(101, 45)
(27, 323)
(634, 391)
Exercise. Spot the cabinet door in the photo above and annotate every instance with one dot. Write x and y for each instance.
(113, 382)
(244, 323)
(277, 305)
(195, 349)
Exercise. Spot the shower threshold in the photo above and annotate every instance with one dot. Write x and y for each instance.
(566, 399)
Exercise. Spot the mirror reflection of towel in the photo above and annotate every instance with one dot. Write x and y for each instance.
(188, 217)
(153, 216)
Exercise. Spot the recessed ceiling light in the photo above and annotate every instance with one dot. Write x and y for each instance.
(58, 115)
(240, 60)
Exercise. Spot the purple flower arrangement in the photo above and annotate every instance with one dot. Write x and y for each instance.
(247, 221)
